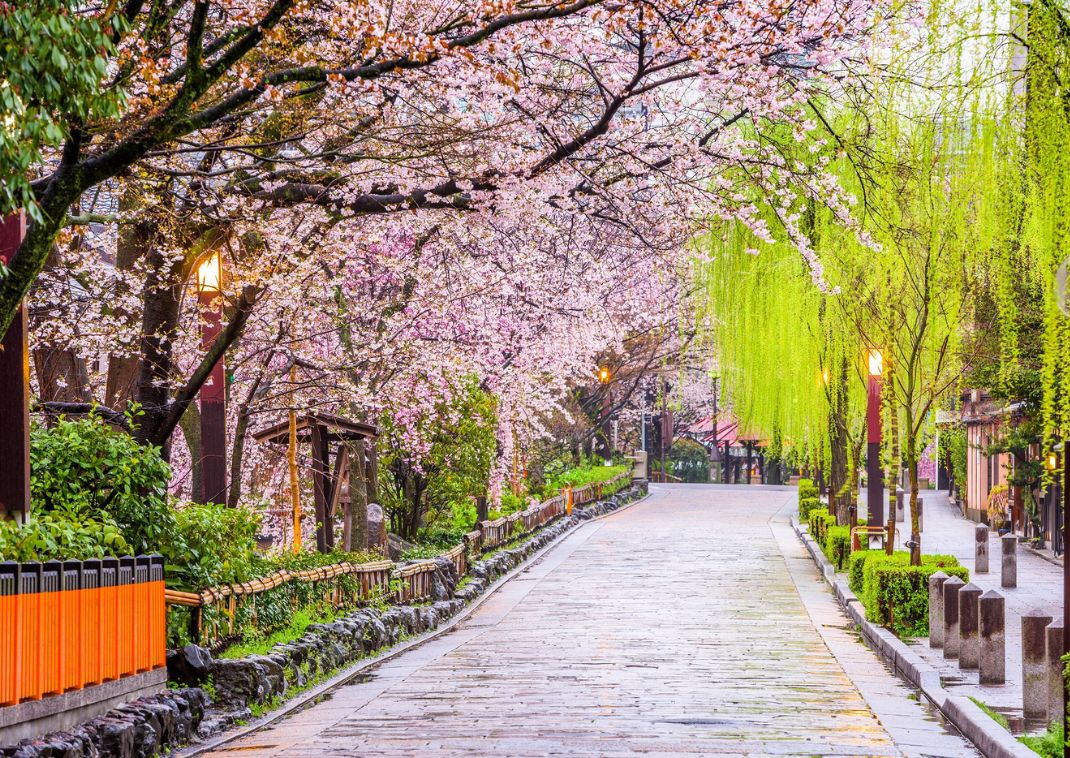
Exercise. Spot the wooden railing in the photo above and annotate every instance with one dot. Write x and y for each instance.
(229, 599)
(415, 581)
(412, 582)
(67, 625)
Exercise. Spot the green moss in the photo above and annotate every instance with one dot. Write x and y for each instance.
(996, 716)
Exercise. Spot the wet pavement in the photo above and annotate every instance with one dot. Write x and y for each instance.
(690, 623)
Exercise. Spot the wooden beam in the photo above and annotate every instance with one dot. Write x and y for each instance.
(14, 391)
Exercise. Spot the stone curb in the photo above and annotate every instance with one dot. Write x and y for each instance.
(582, 515)
(974, 724)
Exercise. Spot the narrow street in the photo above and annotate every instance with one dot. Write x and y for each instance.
(692, 623)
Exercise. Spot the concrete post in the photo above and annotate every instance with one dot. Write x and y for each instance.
(993, 658)
(980, 550)
(900, 511)
(1054, 655)
(921, 515)
(936, 609)
(1009, 577)
(969, 637)
(1034, 664)
(951, 616)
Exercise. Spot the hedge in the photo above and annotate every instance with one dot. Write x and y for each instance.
(806, 505)
(819, 521)
(837, 545)
(895, 593)
(807, 489)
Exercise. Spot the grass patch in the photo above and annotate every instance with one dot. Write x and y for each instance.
(1049, 744)
(299, 623)
(996, 716)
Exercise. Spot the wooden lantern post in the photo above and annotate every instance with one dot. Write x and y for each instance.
(14, 392)
(213, 392)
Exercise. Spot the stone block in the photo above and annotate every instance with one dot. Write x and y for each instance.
(1035, 664)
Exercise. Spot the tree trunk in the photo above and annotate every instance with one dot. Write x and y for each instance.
(191, 430)
(134, 240)
(358, 498)
(838, 446)
(912, 470)
(159, 322)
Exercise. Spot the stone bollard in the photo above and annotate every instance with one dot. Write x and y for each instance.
(980, 550)
(993, 659)
(969, 637)
(1034, 664)
(951, 616)
(900, 511)
(1009, 577)
(1054, 655)
(936, 609)
(921, 515)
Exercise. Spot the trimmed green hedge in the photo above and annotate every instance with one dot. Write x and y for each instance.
(807, 489)
(806, 506)
(819, 521)
(895, 593)
(837, 546)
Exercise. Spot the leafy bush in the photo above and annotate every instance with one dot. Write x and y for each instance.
(806, 506)
(85, 471)
(210, 545)
(53, 536)
(807, 489)
(581, 475)
(895, 593)
(837, 545)
(819, 521)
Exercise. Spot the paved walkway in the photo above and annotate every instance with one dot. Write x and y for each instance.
(690, 623)
(1040, 585)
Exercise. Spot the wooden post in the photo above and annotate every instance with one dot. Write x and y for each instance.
(212, 395)
(14, 392)
(319, 487)
(295, 484)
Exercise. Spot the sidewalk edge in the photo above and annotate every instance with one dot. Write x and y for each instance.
(974, 724)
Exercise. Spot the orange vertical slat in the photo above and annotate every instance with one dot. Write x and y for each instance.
(125, 617)
(91, 641)
(10, 622)
(29, 597)
(109, 612)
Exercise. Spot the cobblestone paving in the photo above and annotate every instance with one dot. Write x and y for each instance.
(687, 624)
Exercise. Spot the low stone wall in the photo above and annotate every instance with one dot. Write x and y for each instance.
(147, 726)
(138, 728)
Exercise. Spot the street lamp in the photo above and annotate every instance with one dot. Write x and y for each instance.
(874, 473)
(605, 375)
(209, 276)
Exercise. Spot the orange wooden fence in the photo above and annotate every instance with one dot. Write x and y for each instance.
(72, 624)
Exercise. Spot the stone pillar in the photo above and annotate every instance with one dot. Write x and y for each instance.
(993, 659)
(1009, 577)
(1034, 664)
(900, 513)
(969, 636)
(936, 609)
(921, 515)
(951, 616)
(980, 549)
(1054, 654)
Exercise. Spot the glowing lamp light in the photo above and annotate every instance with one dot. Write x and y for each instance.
(210, 274)
(876, 363)
(604, 374)
(1053, 461)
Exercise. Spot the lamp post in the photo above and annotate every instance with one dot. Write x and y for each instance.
(213, 391)
(874, 473)
(605, 376)
(14, 392)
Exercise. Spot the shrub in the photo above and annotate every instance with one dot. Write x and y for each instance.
(838, 545)
(53, 536)
(86, 471)
(819, 521)
(807, 489)
(896, 594)
(210, 545)
(806, 506)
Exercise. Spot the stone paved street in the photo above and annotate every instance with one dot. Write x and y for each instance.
(691, 623)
